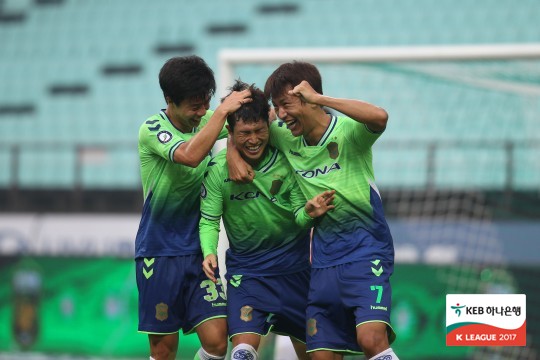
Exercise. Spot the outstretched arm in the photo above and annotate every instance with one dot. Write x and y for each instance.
(320, 204)
(192, 152)
(315, 207)
(373, 116)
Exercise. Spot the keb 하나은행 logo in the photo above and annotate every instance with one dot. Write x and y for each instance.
(485, 320)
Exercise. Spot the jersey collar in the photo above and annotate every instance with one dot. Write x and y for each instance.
(269, 160)
(164, 116)
(327, 133)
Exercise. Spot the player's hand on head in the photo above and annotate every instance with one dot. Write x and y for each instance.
(235, 100)
(305, 92)
(210, 265)
(320, 204)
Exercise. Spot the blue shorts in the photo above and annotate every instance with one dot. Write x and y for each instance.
(174, 294)
(343, 297)
(259, 304)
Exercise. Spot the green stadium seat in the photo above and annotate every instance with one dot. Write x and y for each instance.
(70, 43)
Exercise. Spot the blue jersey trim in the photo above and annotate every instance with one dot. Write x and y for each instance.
(210, 217)
(173, 149)
(326, 135)
(271, 162)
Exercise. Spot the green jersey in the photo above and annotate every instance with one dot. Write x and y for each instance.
(170, 217)
(342, 161)
(264, 220)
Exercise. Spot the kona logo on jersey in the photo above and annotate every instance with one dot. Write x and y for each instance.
(245, 195)
(333, 150)
(319, 171)
(164, 136)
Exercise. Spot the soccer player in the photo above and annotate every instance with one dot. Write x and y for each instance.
(352, 248)
(267, 226)
(174, 148)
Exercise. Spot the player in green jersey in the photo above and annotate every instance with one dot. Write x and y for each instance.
(352, 249)
(267, 227)
(174, 148)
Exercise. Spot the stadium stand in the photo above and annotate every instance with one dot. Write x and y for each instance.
(458, 165)
(78, 78)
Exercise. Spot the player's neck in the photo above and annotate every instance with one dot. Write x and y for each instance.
(254, 163)
(177, 123)
(316, 128)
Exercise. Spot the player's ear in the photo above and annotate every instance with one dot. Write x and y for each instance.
(229, 129)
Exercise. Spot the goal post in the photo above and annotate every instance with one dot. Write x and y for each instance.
(228, 58)
(463, 126)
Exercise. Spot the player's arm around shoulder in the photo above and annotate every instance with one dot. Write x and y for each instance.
(239, 170)
(307, 211)
(155, 140)
(192, 152)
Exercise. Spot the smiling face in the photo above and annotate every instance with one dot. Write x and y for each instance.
(251, 140)
(188, 114)
(291, 110)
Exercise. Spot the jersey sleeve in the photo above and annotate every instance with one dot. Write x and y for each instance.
(224, 132)
(160, 142)
(298, 203)
(211, 208)
(278, 134)
(359, 134)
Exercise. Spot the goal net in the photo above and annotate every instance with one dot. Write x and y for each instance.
(458, 170)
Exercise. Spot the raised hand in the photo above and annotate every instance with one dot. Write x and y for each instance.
(320, 204)
(305, 92)
(234, 101)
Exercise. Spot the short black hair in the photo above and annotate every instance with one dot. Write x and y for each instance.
(250, 112)
(291, 74)
(187, 77)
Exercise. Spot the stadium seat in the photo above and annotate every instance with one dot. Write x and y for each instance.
(69, 44)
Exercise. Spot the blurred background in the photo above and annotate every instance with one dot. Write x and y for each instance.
(458, 166)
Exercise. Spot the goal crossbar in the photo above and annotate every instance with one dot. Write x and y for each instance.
(228, 58)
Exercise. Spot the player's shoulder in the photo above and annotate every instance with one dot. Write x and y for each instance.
(278, 125)
(206, 117)
(217, 166)
(279, 133)
(152, 124)
(219, 161)
(347, 126)
(345, 121)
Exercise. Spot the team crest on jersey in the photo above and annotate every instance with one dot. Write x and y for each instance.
(312, 327)
(164, 136)
(162, 311)
(276, 185)
(333, 150)
(246, 313)
(203, 191)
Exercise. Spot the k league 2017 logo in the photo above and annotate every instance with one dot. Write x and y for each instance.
(485, 320)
